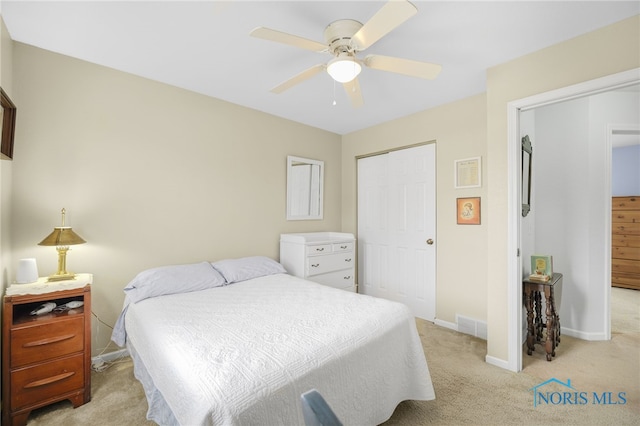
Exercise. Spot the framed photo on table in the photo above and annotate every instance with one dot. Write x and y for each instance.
(468, 211)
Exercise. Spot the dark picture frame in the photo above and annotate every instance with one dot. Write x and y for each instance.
(8, 125)
(468, 211)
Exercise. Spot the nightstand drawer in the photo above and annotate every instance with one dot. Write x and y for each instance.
(333, 262)
(41, 342)
(43, 381)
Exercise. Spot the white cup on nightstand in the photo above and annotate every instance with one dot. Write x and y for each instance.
(27, 271)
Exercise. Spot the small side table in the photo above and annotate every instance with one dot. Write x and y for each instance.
(45, 358)
(532, 296)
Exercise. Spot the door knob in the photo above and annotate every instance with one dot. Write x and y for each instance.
(430, 241)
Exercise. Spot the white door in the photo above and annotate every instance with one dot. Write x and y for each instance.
(396, 228)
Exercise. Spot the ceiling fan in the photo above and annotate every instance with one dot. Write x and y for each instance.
(344, 39)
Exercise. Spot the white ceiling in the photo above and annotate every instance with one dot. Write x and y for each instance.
(205, 47)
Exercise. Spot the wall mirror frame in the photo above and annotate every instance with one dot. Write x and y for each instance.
(305, 188)
(527, 156)
(8, 119)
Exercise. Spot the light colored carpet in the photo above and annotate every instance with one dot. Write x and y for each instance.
(468, 390)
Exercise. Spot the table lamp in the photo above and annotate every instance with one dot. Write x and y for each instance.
(62, 237)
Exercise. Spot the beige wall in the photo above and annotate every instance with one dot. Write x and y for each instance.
(459, 131)
(607, 51)
(6, 82)
(472, 261)
(149, 174)
(152, 174)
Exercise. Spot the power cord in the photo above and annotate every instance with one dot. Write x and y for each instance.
(100, 365)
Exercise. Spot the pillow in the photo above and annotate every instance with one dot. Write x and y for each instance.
(245, 268)
(173, 279)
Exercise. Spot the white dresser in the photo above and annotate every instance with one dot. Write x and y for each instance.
(324, 257)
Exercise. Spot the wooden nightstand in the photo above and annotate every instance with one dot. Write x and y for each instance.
(45, 358)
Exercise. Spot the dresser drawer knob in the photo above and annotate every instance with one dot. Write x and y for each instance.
(320, 249)
(315, 265)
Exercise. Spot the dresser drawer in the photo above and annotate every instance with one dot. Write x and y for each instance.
(333, 262)
(47, 341)
(625, 216)
(625, 203)
(623, 228)
(344, 279)
(48, 380)
(631, 253)
(625, 266)
(319, 249)
(338, 247)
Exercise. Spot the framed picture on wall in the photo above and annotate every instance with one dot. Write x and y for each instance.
(468, 211)
(8, 119)
(468, 173)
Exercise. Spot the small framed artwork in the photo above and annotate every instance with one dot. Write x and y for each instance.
(541, 267)
(468, 173)
(468, 211)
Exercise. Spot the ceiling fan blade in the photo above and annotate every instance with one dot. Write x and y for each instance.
(390, 16)
(290, 39)
(353, 91)
(299, 78)
(403, 66)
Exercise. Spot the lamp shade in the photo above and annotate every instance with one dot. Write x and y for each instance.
(62, 236)
(344, 68)
(27, 271)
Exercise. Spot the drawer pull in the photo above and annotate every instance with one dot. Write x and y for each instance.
(348, 260)
(315, 265)
(320, 249)
(348, 277)
(49, 380)
(343, 247)
(48, 341)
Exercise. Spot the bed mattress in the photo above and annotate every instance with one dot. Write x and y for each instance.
(244, 353)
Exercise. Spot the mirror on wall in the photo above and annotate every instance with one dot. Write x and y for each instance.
(527, 153)
(305, 189)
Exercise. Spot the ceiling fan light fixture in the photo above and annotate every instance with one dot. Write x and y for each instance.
(344, 68)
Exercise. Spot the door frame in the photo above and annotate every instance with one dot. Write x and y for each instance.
(514, 179)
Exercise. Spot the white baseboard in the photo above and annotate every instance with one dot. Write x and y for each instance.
(473, 327)
(109, 356)
(446, 324)
(497, 362)
(582, 335)
(488, 359)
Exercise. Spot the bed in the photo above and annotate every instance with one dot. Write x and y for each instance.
(238, 341)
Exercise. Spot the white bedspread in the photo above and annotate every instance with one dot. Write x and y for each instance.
(244, 353)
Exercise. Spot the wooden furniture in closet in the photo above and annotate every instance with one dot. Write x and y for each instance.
(45, 358)
(324, 257)
(625, 242)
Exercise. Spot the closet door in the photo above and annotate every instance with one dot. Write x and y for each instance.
(396, 228)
